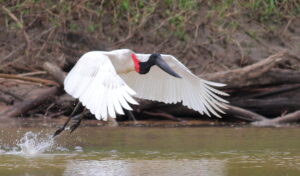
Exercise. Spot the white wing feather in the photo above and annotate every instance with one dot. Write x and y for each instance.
(193, 92)
(94, 81)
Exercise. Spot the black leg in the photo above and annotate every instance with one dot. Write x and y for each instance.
(59, 130)
(75, 109)
(76, 120)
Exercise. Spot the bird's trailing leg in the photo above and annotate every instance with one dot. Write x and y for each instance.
(130, 115)
(62, 128)
(112, 122)
(76, 120)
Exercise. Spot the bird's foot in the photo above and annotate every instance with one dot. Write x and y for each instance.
(59, 130)
(75, 121)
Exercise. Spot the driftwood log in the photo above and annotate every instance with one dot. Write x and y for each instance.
(35, 98)
(55, 71)
(285, 119)
(246, 76)
(269, 106)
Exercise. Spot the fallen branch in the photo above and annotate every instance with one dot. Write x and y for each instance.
(31, 79)
(278, 76)
(292, 117)
(289, 118)
(55, 71)
(243, 114)
(270, 106)
(272, 77)
(243, 77)
(34, 99)
(275, 91)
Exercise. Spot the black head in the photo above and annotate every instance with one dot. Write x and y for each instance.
(156, 59)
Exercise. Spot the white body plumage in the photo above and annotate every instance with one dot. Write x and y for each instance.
(106, 82)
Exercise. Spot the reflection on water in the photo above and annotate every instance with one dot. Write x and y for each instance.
(205, 167)
(151, 151)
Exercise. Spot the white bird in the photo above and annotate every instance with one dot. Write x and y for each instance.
(106, 82)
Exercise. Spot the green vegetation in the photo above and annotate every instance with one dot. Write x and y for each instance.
(123, 18)
(262, 10)
(274, 10)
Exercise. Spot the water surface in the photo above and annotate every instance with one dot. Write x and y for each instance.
(130, 151)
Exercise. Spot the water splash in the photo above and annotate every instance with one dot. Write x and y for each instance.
(35, 143)
(31, 144)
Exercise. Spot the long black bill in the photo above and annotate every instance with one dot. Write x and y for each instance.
(165, 67)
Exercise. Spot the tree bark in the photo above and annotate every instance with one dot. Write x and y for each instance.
(55, 71)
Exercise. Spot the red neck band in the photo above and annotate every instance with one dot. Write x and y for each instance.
(136, 63)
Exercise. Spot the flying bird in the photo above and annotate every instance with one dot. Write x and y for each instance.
(106, 83)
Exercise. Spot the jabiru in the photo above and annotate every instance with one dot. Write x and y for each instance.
(106, 82)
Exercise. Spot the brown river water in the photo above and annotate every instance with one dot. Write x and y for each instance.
(134, 151)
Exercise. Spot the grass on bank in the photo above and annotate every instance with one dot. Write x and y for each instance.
(124, 17)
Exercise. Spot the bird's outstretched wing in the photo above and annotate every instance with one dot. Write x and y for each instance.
(94, 81)
(193, 92)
